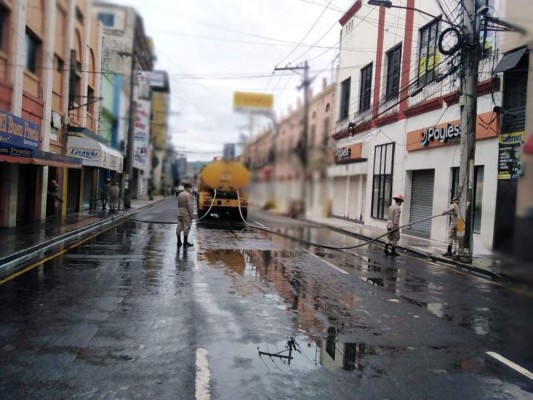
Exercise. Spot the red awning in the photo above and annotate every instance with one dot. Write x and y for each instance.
(38, 161)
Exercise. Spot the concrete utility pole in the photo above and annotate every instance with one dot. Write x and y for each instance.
(470, 62)
(306, 82)
(128, 176)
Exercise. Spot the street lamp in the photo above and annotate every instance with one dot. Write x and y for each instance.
(388, 4)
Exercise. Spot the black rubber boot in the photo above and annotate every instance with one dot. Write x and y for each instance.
(179, 240)
(393, 252)
(386, 251)
(186, 242)
(448, 252)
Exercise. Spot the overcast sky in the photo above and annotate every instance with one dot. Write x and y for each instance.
(212, 48)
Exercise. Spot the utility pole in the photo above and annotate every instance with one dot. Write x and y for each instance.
(302, 151)
(128, 176)
(470, 61)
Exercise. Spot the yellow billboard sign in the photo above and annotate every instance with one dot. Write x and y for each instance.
(255, 102)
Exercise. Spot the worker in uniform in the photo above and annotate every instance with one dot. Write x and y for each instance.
(105, 193)
(185, 215)
(393, 225)
(453, 212)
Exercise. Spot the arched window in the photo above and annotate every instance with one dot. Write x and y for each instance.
(314, 115)
(327, 107)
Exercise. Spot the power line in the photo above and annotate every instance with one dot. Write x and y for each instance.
(309, 31)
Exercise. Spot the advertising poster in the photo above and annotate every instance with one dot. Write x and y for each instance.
(141, 134)
(509, 163)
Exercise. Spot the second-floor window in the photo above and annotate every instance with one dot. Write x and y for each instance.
(394, 59)
(32, 50)
(366, 88)
(107, 19)
(4, 13)
(345, 99)
(428, 54)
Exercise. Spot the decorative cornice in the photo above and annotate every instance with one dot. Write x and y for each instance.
(351, 12)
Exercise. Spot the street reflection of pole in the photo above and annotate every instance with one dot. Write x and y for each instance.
(289, 347)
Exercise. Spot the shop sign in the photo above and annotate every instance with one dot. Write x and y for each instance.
(343, 154)
(446, 134)
(45, 155)
(449, 133)
(86, 154)
(15, 151)
(18, 132)
(509, 162)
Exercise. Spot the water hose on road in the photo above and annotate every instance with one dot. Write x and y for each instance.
(287, 236)
(173, 222)
(325, 246)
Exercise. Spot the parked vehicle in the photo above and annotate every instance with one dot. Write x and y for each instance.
(220, 189)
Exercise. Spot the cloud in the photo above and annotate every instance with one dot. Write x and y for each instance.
(212, 48)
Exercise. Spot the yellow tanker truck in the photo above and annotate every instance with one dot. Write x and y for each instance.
(219, 182)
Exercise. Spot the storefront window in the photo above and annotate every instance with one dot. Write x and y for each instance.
(382, 181)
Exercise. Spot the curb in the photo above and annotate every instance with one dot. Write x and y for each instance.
(12, 262)
(421, 254)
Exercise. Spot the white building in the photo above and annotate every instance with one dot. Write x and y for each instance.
(400, 96)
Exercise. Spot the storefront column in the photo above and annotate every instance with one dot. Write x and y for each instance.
(18, 36)
(10, 205)
(44, 193)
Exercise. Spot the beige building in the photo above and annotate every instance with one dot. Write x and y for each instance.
(275, 161)
(49, 57)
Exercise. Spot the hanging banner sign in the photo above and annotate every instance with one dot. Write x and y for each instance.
(141, 134)
(509, 162)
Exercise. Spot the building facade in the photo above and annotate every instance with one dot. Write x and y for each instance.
(275, 156)
(128, 51)
(49, 82)
(397, 122)
(516, 190)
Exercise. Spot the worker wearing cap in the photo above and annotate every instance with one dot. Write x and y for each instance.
(185, 215)
(393, 225)
(453, 212)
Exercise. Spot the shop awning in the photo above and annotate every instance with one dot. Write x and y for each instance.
(94, 154)
(510, 60)
(17, 155)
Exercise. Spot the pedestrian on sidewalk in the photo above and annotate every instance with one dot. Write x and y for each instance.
(393, 226)
(453, 212)
(185, 215)
(114, 193)
(53, 195)
(105, 193)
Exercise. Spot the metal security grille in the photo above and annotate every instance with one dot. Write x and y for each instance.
(422, 201)
(339, 196)
(353, 204)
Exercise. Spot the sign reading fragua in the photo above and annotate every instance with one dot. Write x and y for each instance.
(448, 133)
(84, 153)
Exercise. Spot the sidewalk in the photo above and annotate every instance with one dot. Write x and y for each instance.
(28, 241)
(493, 266)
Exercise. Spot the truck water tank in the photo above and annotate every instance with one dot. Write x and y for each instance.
(225, 175)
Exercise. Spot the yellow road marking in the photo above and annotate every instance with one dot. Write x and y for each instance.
(42, 261)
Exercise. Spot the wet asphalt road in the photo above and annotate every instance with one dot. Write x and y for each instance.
(126, 316)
